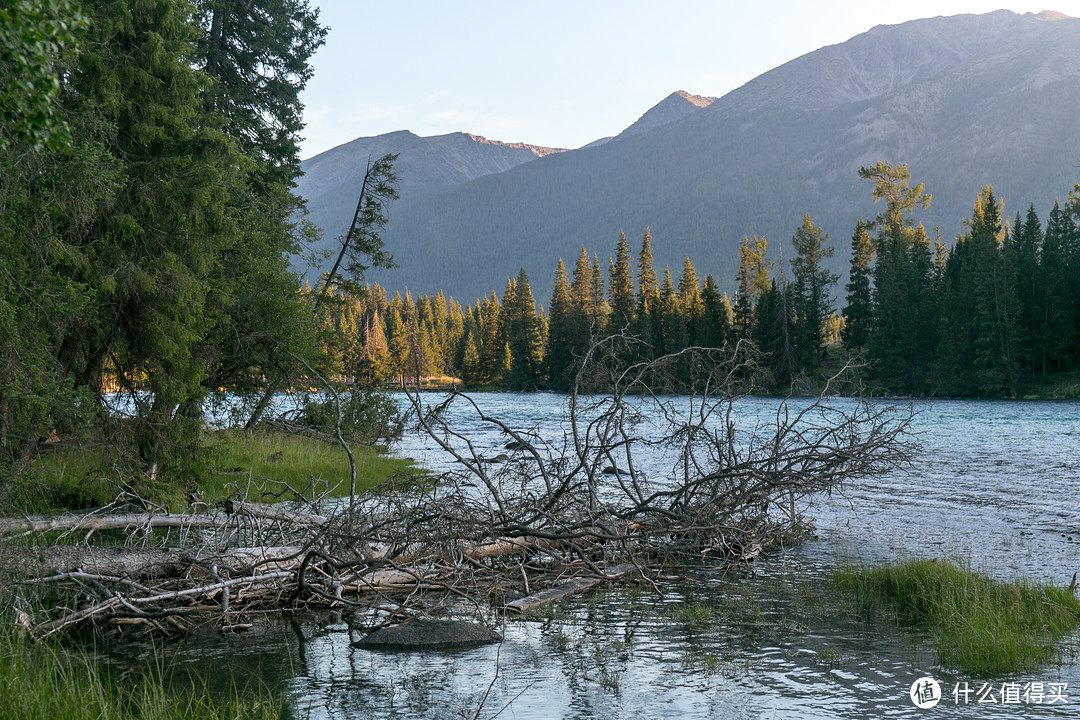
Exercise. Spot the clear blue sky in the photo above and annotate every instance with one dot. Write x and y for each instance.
(563, 73)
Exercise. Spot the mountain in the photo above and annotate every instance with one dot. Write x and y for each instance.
(674, 107)
(426, 164)
(965, 101)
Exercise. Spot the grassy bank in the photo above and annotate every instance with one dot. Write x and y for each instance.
(269, 462)
(981, 625)
(41, 682)
(263, 465)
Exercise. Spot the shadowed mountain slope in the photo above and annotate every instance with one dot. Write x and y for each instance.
(965, 101)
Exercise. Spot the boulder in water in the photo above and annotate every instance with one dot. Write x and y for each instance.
(429, 635)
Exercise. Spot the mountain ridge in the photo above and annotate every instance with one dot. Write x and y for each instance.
(964, 100)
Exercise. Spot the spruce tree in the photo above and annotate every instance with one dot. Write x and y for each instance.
(523, 335)
(715, 323)
(672, 335)
(753, 280)
(1021, 258)
(620, 288)
(648, 302)
(857, 318)
(899, 343)
(1054, 281)
(811, 292)
(691, 305)
(977, 333)
(560, 337)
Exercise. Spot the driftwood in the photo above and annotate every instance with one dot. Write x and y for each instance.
(570, 587)
(132, 562)
(548, 513)
(148, 521)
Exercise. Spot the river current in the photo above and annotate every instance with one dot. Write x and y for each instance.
(996, 485)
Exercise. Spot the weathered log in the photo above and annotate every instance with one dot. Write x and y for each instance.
(38, 561)
(277, 514)
(124, 521)
(73, 521)
(570, 587)
(500, 547)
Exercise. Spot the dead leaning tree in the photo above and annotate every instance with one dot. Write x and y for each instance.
(556, 514)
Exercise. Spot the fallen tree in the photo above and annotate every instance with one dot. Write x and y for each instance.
(556, 515)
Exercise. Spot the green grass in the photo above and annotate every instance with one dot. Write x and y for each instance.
(981, 625)
(41, 682)
(65, 478)
(262, 464)
(270, 461)
(696, 615)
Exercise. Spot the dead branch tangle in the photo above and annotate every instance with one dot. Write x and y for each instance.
(555, 516)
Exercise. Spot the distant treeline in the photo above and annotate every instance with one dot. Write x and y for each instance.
(993, 315)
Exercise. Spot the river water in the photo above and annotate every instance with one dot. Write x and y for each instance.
(996, 485)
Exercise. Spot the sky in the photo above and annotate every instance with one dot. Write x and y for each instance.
(562, 73)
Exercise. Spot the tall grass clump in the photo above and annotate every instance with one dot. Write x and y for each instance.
(981, 625)
(41, 682)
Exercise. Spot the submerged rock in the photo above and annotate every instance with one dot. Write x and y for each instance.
(429, 635)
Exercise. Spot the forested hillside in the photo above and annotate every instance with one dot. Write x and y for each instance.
(993, 312)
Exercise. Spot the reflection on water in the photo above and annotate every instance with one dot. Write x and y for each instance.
(996, 485)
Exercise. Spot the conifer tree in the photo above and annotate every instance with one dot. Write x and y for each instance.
(648, 301)
(690, 303)
(1054, 282)
(715, 325)
(523, 335)
(899, 342)
(560, 336)
(598, 307)
(772, 331)
(811, 290)
(753, 280)
(977, 334)
(398, 342)
(672, 335)
(620, 288)
(1021, 258)
(857, 319)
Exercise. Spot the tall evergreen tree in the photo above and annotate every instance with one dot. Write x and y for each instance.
(523, 335)
(772, 332)
(620, 288)
(672, 335)
(691, 305)
(715, 324)
(977, 334)
(648, 302)
(753, 280)
(811, 291)
(1021, 259)
(1072, 269)
(598, 307)
(560, 338)
(900, 342)
(1054, 283)
(857, 311)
